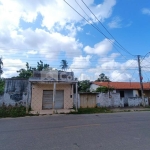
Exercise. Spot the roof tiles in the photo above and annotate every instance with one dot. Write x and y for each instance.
(124, 85)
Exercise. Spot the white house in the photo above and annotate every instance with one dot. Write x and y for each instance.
(128, 91)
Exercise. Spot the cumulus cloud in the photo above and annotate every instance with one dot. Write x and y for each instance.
(84, 77)
(100, 48)
(115, 70)
(48, 44)
(146, 11)
(56, 13)
(56, 33)
(120, 76)
(80, 62)
(10, 66)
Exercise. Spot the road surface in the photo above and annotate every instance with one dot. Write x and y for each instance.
(114, 131)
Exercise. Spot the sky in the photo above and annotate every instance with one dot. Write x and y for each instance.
(50, 30)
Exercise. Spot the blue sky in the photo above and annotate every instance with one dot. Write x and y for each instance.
(51, 31)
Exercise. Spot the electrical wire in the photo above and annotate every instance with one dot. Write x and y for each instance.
(106, 28)
(93, 26)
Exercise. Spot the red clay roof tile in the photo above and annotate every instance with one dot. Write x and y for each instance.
(124, 85)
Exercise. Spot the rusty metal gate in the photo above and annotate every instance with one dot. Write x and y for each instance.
(87, 100)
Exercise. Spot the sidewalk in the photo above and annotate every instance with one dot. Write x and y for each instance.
(129, 109)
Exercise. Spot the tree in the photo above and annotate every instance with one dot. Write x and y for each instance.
(41, 66)
(103, 78)
(1, 63)
(27, 73)
(84, 86)
(104, 89)
(2, 84)
(64, 65)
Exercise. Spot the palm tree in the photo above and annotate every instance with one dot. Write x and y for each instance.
(1, 63)
(64, 65)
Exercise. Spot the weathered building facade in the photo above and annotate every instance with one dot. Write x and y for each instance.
(15, 92)
(52, 92)
(127, 91)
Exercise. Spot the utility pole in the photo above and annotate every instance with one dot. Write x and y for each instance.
(141, 78)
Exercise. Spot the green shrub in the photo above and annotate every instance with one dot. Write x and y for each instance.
(91, 110)
(2, 84)
(12, 111)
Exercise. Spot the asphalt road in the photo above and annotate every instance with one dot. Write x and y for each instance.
(115, 131)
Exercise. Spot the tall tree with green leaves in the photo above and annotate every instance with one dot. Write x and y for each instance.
(2, 84)
(1, 63)
(41, 66)
(84, 86)
(28, 71)
(64, 65)
(103, 78)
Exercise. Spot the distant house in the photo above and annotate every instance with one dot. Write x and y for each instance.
(52, 91)
(126, 90)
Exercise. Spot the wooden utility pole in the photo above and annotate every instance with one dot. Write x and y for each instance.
(141, 78)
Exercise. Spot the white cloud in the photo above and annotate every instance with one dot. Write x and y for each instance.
(146, 11)
(120, 76)
(115, 23)
(56, 13)
(49, 41)
(84, 77)
(115, 70)
(80, 62)
(48, 44)
(100, 48)
(104, 10)
(108, 58)
(32, 52)
(10, 66)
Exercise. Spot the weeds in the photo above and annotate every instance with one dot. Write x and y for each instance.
(92, 110)
(12, 111)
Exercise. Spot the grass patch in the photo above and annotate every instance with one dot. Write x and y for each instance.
(92, 111)
(12, 111)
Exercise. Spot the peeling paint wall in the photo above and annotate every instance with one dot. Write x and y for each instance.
(127, 94)
(109, 100)
(137, 101)
(16, 91)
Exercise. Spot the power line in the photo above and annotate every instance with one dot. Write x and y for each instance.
(93, 26)
(98, 27)
(125, 70)
(106, 29)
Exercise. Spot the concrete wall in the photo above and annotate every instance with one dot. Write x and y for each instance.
(16, 92)
(37, 95)
(127, 94)
(76, 101)
(135, 93)
(137, 101)
(109, 100)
